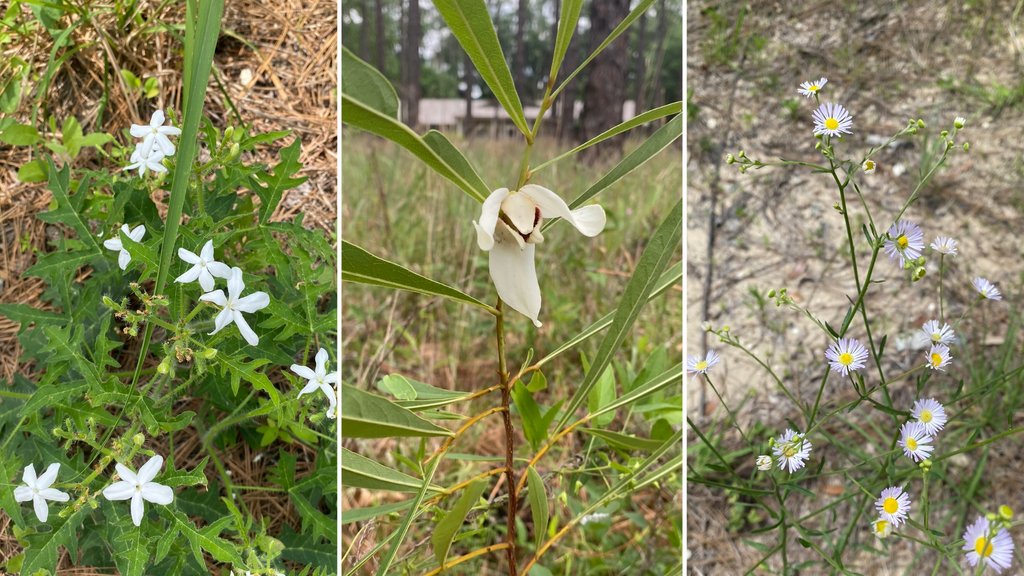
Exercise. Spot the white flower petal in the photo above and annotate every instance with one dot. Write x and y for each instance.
(123, 259)
(158, 493)
(150, 469)
(253, 302)
(157, 119)
(55, 495)
(29, 475)
(164, 144)
(217, 297)
(515, 277)
(190, 275)
(489, 218)
(303, 371)
(206, 280)
(169, 130)
(321, 362)
(207, 252)
(137, 509)
(246, 331)
(23, 494)
(49, 476)
(112, 244)
(122, 490)
(188, 256)
(521, 210)
(42, 511)
(140, 131)
(313, 386)
(224, 317)
(125, 473)
(218, 269)
(235, 283)
(137, 233)
(589, 220)
(331, 378)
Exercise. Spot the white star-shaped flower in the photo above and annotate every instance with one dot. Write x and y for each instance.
(123, 257)
(319, 379)
(511, 247)
(139, 487)
(233, 305)
(155, 136)
(154, 161)
(204, 267)
(38, 489)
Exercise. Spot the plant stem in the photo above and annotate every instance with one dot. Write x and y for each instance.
(471, 555)
(510, 473)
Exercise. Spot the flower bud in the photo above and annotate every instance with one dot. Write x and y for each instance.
(958, 122)
(919, 273)
(233, 153)
(991, 517)
(1006, 512)
(164, 367)
(138, 439)
(108, 302)
(967, 146)
(210, 353)
(730, 159)
(229, 132)
(944, 133)
(920, 123)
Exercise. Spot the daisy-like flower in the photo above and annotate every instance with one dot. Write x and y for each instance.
(868, 166)
(37, 489)
(944, 245)
(847, 355)
(318, 379)
(204, 267)
(139, 487)
(881, 528)
(123, 257)
(511, 244)
(938, 334)
(832, 119)
(791, 450)
(697, 365)
(959, 122)
(980, 544)
(155, 136)
(929, 413)
(233, 305)
(939, 357)
(893, 505)
(810, 88)
(915, 441)
(154, 162)
(906, 240)
(986, 290)
(764, 462)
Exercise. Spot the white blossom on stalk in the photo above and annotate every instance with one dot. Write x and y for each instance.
(139, 487)
(123, 257)
(204, 267)
(153, 162)
(155, 136)
(319, 379)
(233, 305)
(37, 489)
(511, 244)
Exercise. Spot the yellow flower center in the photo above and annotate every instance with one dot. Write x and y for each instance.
(702, 365)
(846, 358)
(911, 443)
(831, 123)
(790, 451)
(890, 505)
(936, 359)
(881, 526)
(902, 242)
(983, 547)
(869, 165)
(926, 416)
(813, 88)
(936, 336)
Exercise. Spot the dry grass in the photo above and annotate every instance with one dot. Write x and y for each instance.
(285, 51)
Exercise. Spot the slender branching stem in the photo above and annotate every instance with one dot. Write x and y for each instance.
(451, 439)
(510, 472)
(470, 556)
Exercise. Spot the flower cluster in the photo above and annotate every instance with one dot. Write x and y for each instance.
(319, 379)
(149, 154)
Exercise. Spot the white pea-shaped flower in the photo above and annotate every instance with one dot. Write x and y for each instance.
(233, 305)
(204, 267)
(511, 244)
(139, 487)
(37, 489)
(123, 257)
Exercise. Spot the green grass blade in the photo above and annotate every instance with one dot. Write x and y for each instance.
(659, 251)
(471, 25)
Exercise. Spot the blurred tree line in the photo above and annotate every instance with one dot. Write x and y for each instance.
(409, 42)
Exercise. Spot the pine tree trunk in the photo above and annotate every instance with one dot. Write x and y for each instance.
(378, 22)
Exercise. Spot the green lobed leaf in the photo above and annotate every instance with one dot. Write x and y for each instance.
(358, 265)
(538, 498)
(660, 249)
(445, 530)
(206, 539)
(358, 471)
(365, 415)
(470, 23)
(365, 83)
(240, 369)
(41, 553)
(130, 547)
(25, 315)
(269, 186)
(658, 141)
(360, 115)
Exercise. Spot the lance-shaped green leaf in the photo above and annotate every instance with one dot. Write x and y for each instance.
(534, 427)
(673, 375)
(448, 527)
(365, 415)
(358, 265)
(567, 21)
(415, 395)
(658, 141)
(366, 84)
(660, 250)
(471, 25)
(538, 498)
(623, 441)
(456, 160)
(368, 512)
(626, 22)
(360, 115)
(650, 115)
(358, 471)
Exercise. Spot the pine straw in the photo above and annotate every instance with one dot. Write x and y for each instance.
(285, 51)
